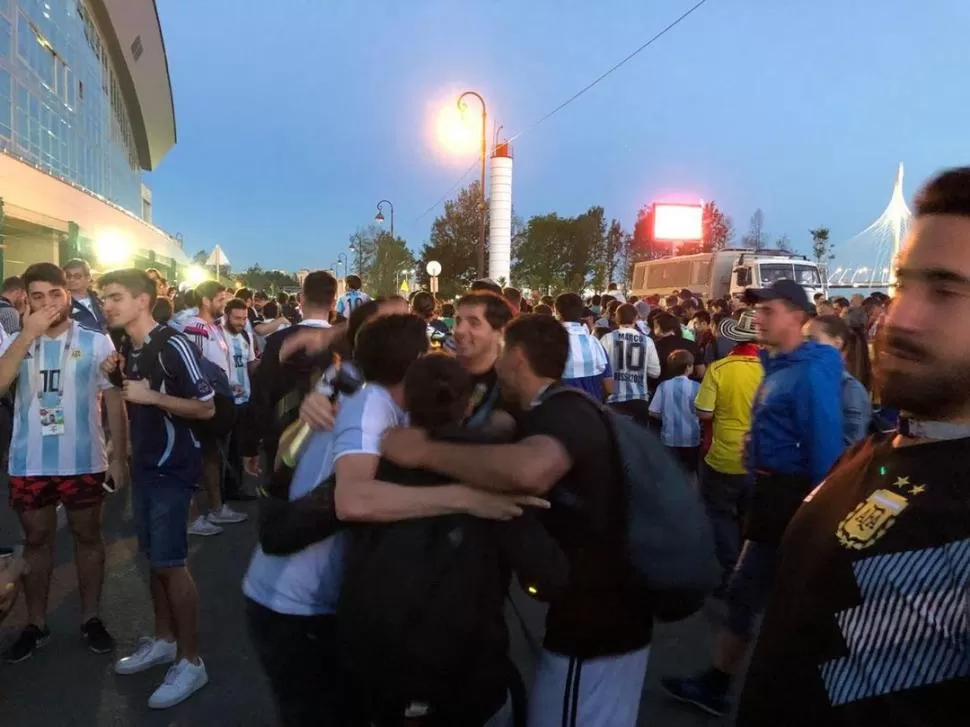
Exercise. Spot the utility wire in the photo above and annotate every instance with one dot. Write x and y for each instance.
(447, 194)
(616, 67)
(564, 104)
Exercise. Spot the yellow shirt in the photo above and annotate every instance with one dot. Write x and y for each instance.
(728, 391)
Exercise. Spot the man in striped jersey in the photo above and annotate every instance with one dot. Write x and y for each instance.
(206, 333)
(634, 358)
(587, 367)
(243, 359)
(58, 452)
(352, 298)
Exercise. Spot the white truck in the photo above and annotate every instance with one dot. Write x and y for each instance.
(725, 273)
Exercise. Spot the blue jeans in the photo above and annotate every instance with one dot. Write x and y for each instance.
(724, 498)
(161, 514)
(749, 588)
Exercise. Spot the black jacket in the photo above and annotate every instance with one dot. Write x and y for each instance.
(277, 390)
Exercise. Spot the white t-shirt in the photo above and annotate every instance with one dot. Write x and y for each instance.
(243, 354)
(308, 583)
(209, 339)
(60, 390)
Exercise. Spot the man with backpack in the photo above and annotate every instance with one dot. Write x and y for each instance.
(598, 631)
(167, 391)
(209, 336)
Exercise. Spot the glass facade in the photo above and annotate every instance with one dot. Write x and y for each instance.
(60, 103)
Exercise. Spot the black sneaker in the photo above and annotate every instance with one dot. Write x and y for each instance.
(30, 639)
(96, 636)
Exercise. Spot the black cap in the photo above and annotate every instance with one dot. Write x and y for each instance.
(787, 290)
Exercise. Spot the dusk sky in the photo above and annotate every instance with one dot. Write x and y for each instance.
(296, 116)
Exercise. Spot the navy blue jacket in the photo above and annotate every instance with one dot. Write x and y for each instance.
(797, 421)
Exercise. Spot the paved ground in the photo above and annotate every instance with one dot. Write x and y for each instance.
(64, 685)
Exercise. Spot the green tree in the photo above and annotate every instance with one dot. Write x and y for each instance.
(453, 243)
(537, 253)
(718, 230)
(390, 257)
(644, 247)
(561, 253)
(200, 257)
(822, 249)
(363, 248)
(272, 281)
(783, 243)
(755, 238)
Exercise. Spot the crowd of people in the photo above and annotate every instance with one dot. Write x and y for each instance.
(412, 455)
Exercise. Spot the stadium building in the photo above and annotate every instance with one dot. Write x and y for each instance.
(85, 108)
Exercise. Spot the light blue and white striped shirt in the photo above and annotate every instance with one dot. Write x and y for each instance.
(633, 357)
(76, 390)
(241, 355)
(674, 402)
(587, 364)
(350, 300)
(308, 583)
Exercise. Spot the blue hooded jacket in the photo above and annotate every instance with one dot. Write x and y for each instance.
(796, 424)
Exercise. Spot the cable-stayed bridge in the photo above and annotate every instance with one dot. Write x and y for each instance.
(867, 260)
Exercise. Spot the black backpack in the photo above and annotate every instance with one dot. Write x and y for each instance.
(670, 540)
(221, 424)
(413, 599)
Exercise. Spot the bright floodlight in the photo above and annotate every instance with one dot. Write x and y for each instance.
(196, 274)
(112, 248)
(678, 222)
(455, 132)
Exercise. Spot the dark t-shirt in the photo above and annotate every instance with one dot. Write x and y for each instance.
(666, 346)
(164, 449)
(602, 612)
(868, 621)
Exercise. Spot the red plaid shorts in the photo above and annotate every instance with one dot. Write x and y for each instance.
(77, 492)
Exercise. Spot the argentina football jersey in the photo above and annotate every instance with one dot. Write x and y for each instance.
(57, 426)
(633, 358)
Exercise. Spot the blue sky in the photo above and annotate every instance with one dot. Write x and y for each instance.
(295, 117)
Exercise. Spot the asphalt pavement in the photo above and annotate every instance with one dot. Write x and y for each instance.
(64, 685)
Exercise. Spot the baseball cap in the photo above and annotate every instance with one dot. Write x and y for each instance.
(787, 290)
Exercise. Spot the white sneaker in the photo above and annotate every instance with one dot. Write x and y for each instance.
(150, 652)
(181, 682)
(202, 526)
(226, 515)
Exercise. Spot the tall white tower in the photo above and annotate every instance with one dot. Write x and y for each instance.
(500, 216)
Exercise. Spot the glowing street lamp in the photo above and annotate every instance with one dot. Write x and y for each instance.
(380, 214)
(112, 249)
(462, 107)
(196, 274)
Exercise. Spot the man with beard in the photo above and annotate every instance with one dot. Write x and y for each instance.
(243, 353)
(480, 319)
(58, 452)
(206, 333)
(867, 624)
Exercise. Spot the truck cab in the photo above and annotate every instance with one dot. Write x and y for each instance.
(764, 268)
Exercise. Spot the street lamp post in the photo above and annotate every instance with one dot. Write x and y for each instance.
(462, 106)
(380, 214)
(342, 260)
